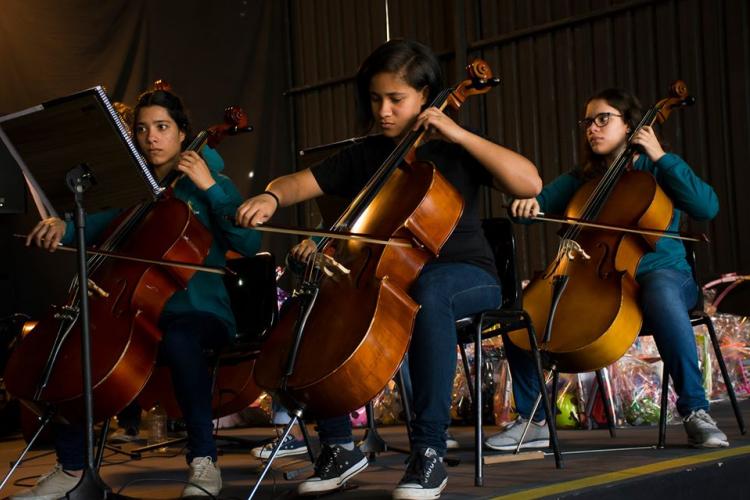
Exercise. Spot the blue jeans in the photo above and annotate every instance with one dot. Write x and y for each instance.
(185, 338)
(446, 292)
(666, 296)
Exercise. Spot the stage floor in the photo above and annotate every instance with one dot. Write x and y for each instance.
(648, 473)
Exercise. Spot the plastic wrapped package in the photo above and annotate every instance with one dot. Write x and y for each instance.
(387, 405)
(637, 386)
(493, 359)
(733, 333)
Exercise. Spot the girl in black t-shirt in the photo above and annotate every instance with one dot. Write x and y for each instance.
(395, 84)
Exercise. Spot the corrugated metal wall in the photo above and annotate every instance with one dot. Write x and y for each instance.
(551, 55)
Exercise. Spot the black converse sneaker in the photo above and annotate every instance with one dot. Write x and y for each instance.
(425, 477)
(335, 466)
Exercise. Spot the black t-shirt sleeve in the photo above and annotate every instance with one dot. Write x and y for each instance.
(342, 174)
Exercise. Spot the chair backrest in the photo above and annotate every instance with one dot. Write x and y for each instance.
(499, 234)
(690, 257)
(253, 297)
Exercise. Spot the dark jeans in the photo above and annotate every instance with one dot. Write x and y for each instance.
(666, 297)
(185, 338)
(446, 292)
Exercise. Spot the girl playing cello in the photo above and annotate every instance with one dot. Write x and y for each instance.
(194, 319)
(394, 85)
(667, 287)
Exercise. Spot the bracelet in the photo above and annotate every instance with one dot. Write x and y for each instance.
(273, 195)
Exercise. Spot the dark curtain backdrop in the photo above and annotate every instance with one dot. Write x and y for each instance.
(550, 56)
(215, 54)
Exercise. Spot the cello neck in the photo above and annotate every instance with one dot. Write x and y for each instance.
(406, 146)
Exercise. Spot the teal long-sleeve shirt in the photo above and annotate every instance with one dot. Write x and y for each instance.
(205, 291)
(688, 193)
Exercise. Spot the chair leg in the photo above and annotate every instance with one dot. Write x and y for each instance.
(102, 443)
(724, 373)
(306, 437)
(543, 390)
(605, 395)
(405, 400)
(663, 408)
(553, 399)
(478, 439)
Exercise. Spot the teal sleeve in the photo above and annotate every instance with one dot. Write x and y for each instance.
(688, 192)
(95, 226)
(224, 200)
(555, 196)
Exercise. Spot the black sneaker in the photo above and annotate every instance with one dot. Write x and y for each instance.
(290, 447)
(334, 467)
(425, 477)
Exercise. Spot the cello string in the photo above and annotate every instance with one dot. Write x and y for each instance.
(596, 200)
(375, 183)
(128, 225)
(613, 173)
(381, 175)
(608, 181)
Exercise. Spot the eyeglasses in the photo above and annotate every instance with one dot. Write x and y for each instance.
(601, 120)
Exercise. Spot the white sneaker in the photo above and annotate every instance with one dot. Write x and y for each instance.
(450, 441)
(50, 486)
(507, 440)
(702, 431)
(205, 478)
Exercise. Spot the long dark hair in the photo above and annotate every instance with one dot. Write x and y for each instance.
(415, 62)
(171, 103)
(631, 110)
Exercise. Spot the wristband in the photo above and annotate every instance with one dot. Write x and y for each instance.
(273, 195)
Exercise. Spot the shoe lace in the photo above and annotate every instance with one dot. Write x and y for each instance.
(273, 444)
(57, 469)
(327, 459)
(419, 468)
(202, 468)
(702, 416)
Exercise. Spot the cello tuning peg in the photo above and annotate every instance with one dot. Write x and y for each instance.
(688, 101)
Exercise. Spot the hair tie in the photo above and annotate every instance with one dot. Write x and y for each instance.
(273, 195)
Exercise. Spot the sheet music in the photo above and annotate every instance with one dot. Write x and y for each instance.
(49, 139)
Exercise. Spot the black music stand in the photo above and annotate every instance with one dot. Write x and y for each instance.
(75, 143)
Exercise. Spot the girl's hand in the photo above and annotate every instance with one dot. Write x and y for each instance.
(527, 208)
(256, 210)
(303, 250)
(192, 165)
(47, 234)
(646, 138)
(439, 126)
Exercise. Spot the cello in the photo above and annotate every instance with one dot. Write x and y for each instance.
(358, 306)
(44, 369)
(594, 265)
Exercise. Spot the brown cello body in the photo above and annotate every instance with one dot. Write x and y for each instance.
(360, 327)
(126, 302)
(598, 317)
(123, 319)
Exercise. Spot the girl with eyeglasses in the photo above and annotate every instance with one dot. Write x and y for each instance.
(667, 287)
